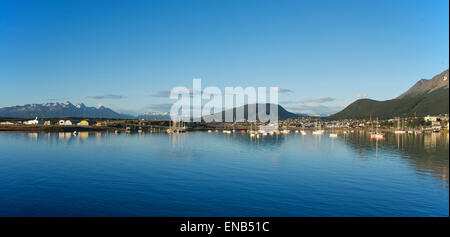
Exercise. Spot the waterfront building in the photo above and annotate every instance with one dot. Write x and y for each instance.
(68, 123)
(33, 122)
(429, 118)
(83, 123)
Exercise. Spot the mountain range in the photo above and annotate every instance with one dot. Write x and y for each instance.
(67, 109)
(154, 116)
(59, 110)
(426, 97)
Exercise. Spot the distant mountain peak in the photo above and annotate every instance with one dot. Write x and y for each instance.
(59, 110)
(80, 106)
(425, 86)
(424, 98)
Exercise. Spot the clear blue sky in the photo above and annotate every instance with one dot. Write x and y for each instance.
(120, 53)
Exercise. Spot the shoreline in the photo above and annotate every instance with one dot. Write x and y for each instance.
(162, 129)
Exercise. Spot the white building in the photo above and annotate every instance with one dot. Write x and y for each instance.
(32, 122)
(429, 118)
(68, 123)
(7, 123)
(65, 122)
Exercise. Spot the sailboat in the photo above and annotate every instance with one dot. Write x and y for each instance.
(176, 127)
(376, 134)
(333, 134)
(398, 131)
(319, 131)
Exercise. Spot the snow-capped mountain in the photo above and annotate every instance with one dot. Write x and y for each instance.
(59, 110)
(154, 115)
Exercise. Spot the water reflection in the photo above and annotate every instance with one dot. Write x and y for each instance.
(298, 174)
(428, 153)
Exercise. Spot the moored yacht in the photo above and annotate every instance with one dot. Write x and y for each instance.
(376, 134)
(399, 131)
(318, 131)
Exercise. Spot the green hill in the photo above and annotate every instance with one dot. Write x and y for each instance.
(282, 113)
(427, 97)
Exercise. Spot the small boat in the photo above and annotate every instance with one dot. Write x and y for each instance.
(226, 131)
(333, 135)
(285, 131)
(209, 131)
(296, 131)
(303, 132)
(399, 131)
(377, 136)
(410, 132)
(75, 133)
(318, 132)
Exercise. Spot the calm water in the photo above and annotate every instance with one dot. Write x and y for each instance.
(214, 174)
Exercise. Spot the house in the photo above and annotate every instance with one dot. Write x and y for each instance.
(32, 122)
(83, 123)
(66, 122)
(432, 118)
(100, 124)
(7, 123)
(69, 123)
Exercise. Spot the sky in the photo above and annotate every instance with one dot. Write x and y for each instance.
(126, 55)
